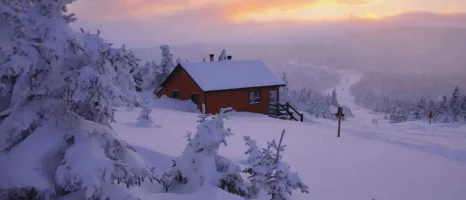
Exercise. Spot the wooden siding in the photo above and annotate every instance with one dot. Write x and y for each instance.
(239, 100)
(181, 81)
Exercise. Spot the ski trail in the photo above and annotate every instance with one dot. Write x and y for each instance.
(398, 135)
(347, 79)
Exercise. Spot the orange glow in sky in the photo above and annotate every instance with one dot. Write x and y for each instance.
(262, 10)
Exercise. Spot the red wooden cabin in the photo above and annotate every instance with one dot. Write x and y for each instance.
(248, 86)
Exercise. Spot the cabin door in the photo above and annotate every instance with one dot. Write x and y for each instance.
(273, 96)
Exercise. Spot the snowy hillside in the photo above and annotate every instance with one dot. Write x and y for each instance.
(384, 161)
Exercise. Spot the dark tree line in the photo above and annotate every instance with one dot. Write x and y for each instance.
(447, 109)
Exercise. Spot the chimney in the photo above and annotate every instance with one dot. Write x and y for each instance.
(211, 57)
(229, 57)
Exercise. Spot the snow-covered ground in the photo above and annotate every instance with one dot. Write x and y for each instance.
(369, 161)
(384, 161)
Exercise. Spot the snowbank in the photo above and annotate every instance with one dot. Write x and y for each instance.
(149, 99)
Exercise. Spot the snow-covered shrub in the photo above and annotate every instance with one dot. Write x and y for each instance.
(270, 173)
(258, 169)
(144, 118)
(200, 164)
(95, 157)
(58, 88)
(230, 178)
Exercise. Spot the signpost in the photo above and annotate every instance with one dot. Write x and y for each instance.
(430, 116)
(339, 115)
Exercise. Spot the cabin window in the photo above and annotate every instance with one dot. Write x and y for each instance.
(176, 94)
(254, 97)
(195, 98)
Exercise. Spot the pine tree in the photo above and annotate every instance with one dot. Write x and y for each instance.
(334, 101)
(442, 111)
(455, 105)
(166, 65)
(146, 77)
(223, 55)
(60, 87)
(285, 91)
(463, 108)
(257, 168)
(431, 108)
(282, 181)
(420, 111)
(200, 164)
(268, 172)
(398, 113)
(144, 118)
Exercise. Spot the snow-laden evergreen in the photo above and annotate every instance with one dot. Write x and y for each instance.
(269, 173)
(445, 110)
(257, 168)
(146, 77)
(334, 98)
(144, 118)
(223, 55)
(398, 113)
(463, 107)
(455, 105)
(167, 64)
(285, 91)
(315, 103)
(200, 164)
(420, 111)
(57, 90)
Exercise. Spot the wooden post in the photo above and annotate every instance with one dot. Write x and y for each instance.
(278, 109)
(339, 115)
(288, 106)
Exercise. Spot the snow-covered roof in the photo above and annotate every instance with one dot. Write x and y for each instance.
(231, 74)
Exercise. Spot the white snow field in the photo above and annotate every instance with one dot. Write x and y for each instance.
(369, 161)
(384, 161)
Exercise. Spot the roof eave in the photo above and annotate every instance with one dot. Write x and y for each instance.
(243, 88)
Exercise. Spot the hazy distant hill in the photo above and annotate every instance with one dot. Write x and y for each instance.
(390, 51)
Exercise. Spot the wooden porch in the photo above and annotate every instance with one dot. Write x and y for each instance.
(284, 111)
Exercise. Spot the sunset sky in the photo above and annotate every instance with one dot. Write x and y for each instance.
(112, 15)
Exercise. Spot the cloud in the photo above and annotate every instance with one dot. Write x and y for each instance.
(197, 26)
(142, 9)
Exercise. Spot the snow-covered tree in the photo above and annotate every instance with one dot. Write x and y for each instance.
(223, 55)
(334, 98)
(146, 77)
(455, 105)
(463, 108)
(285, 91)
(167, 64)
(144, 118)
(442, 111)
(269, 173)
(123, 62)
(200, 164)
(258, 169)
(398, 113)
(282, 181)
(420, 111)
(60, 86)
